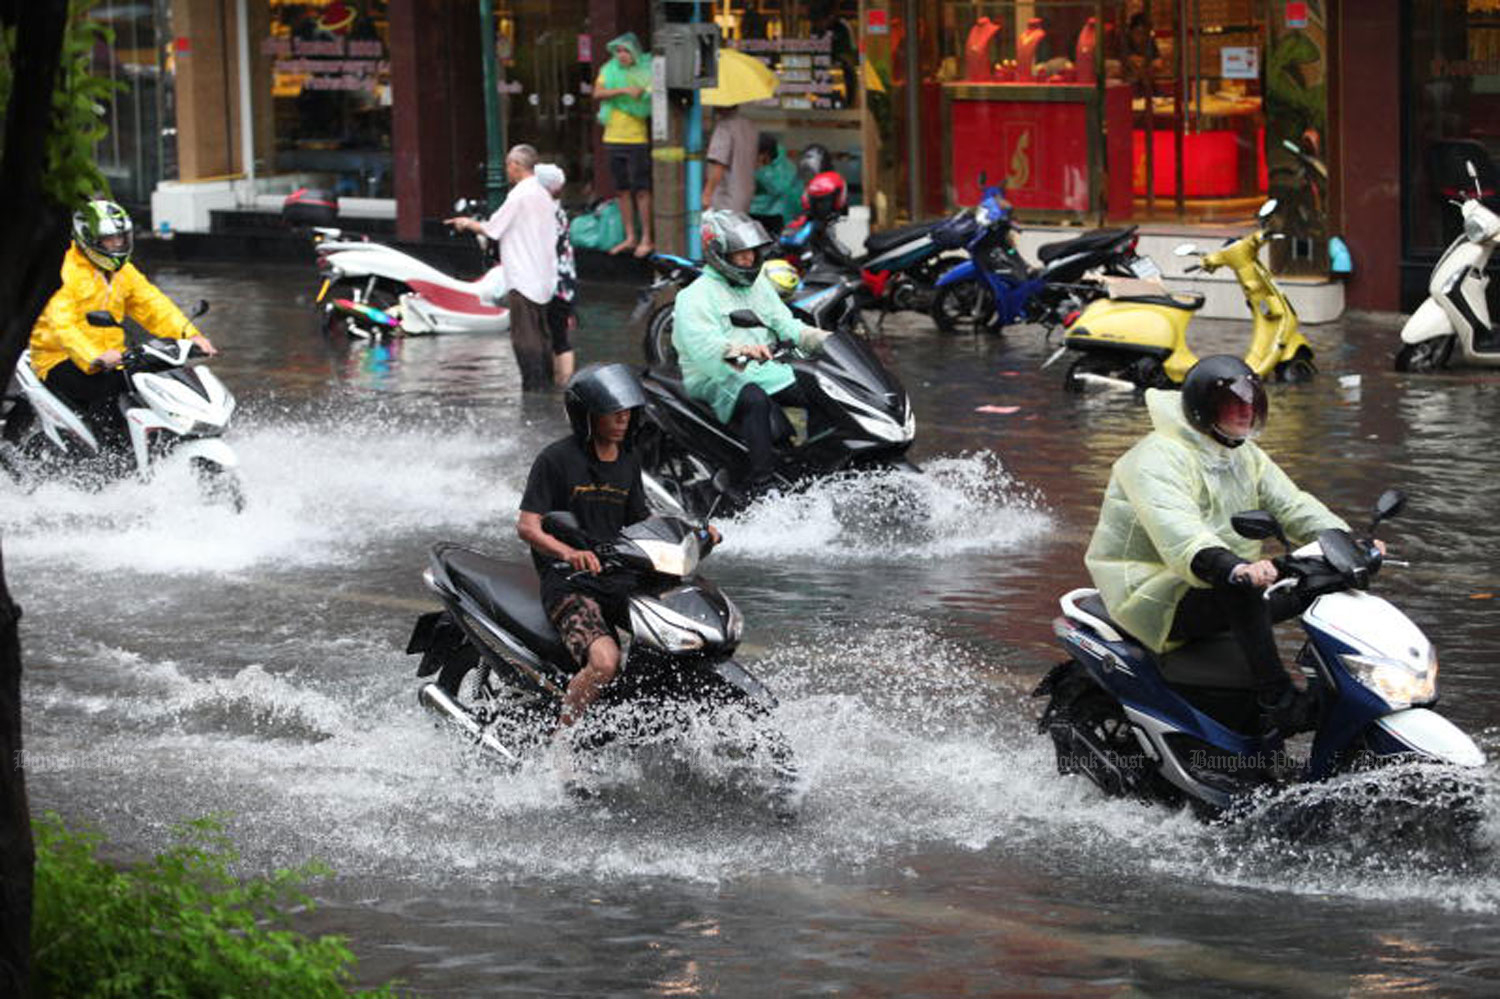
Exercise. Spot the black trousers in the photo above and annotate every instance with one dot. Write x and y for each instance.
(531, 339)
(94, 398)
(1244, 612)
(754, 421)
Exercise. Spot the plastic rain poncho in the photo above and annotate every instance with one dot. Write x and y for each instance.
(1171, 496)
(704, 336)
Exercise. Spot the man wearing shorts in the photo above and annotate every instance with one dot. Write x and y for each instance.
(594, 474)
(623, 90)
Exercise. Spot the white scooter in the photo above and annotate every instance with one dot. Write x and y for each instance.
(170, 409)
(1456, 311)
(371, 290)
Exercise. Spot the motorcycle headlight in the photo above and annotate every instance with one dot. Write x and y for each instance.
(666, 629)
(1399, 684)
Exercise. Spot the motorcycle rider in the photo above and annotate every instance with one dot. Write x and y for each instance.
(595, 474)
(1166, 561)
(730, 368)
(79, 363)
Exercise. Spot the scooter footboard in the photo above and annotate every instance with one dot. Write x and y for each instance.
(1418, 730)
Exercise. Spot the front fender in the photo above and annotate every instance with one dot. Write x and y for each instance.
(958, 273)
(1429, 322)
(209, 449)
(739, 679)
(1420, 730)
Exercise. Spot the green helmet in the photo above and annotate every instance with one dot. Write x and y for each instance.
(104, 233)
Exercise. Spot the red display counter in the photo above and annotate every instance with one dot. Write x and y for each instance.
(1060, 150)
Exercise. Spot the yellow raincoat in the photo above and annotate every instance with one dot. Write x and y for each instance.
(1171, 496)
(63, 333)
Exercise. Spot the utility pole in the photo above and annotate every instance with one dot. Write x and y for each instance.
(494, 124)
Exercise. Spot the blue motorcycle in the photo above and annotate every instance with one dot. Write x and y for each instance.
(996, 287)
(1172, 728)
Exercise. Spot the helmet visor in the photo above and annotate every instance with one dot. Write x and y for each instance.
(1239, 408)
(611, 388)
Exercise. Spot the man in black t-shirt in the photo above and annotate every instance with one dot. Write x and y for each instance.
(594, 475)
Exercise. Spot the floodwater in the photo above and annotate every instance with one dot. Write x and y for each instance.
(183, 661)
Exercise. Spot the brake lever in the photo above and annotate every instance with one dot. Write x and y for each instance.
(1280, 584)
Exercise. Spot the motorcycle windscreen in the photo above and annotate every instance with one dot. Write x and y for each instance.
(855, 360)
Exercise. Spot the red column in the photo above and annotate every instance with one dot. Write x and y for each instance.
(437, 109)
(1367, 95)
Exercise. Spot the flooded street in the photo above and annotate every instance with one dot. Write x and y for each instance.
(184, 661)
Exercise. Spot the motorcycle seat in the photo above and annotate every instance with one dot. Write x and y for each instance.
(878, 242)
(1153, 293)
(1087, 243)
(511, 594)
(781, 427)
(1214, 662)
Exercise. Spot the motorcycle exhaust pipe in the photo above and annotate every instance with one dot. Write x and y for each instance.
(1106, 381)
(436, 699)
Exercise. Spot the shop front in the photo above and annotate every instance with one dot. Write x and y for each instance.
(1087, 112)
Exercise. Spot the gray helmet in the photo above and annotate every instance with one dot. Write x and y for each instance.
(725, 233)
(600, 389)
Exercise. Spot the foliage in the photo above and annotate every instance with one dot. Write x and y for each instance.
(78, 122)
(179, 927)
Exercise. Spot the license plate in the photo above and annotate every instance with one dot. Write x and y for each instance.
(1145, 268)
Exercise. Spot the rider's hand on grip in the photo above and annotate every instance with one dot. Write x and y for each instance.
(583, 560)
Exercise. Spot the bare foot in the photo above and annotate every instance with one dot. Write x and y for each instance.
(622, 246)
(645, 249)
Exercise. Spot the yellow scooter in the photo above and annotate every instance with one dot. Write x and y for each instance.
(1136, 338)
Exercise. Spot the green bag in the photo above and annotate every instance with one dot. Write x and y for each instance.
(600, 229)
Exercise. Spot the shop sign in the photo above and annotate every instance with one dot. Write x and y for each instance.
(877, 23)
(585, 48)
(1239, 62)
(660, 122)
(1039, 148)
(329, 64)
(1296, 15)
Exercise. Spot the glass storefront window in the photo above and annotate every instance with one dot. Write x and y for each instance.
(1454, 116)
(139, 148)
(331, 94)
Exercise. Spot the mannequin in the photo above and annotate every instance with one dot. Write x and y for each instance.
(1032, 48)
(1083, 56)
(979, 67)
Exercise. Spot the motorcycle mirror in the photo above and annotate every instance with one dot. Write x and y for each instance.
(745, 319)
(1390, 504)
(198, 309)
(1257, 525)
(1185, 249)
(1268, 209)
(99, 317)
(1469, 166)
(1291, 146)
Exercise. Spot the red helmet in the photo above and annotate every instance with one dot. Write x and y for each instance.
(825, 196)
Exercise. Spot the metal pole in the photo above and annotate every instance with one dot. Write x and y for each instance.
(494, 126)
(692, 142)
(247, 99)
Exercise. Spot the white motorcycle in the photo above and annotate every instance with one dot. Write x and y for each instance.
(1456, 312)
(372, 290)
(170, 409)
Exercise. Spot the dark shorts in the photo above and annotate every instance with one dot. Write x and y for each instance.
(558, 315)
(630, 166)
(580, 621)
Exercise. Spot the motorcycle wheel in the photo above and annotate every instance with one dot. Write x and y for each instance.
(966, 307)
(657, 342)
(219, 486)
(1298, 370)
(767, 771)
(1425, 357)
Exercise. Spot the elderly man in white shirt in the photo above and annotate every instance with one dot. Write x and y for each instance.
(525, 226)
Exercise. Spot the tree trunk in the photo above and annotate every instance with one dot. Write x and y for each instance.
(33, 237)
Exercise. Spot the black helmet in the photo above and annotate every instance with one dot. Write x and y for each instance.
(600, 389)
(1214, 389)
(725, 233)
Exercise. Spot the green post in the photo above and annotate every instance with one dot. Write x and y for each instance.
(494, 126)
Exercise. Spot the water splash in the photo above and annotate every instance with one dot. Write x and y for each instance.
(960, 504)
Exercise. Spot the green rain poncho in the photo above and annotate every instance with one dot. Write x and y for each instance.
(777, 189)
(1169, 497)
(617, 77)
(702, 333)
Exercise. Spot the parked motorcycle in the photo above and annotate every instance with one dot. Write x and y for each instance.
(996, 287)
(1172, 728)
(499, 669)
(858, 417)
(829, 301)
(370, 289)
(1457, 311)
(171, 409)
(1136, 338)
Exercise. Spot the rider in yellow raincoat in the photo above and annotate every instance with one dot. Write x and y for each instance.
(1167, 562)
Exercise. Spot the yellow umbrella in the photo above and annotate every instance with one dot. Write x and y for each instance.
(742, 79)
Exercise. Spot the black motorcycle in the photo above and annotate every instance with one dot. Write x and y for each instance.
(859, 417)
(499, 669)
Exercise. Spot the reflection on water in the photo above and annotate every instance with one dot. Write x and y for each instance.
(254, 665)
